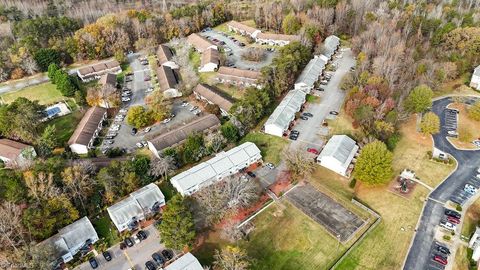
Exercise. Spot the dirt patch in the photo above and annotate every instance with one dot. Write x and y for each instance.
(402, 187)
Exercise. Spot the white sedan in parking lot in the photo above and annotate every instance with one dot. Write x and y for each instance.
(125, 99)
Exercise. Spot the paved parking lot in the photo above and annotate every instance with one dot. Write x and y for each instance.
(311, 130)
(267, 176)
(338, 220)
(460, 196)
(237, 51)
(433, 265)
(451, 122)
(135, 256)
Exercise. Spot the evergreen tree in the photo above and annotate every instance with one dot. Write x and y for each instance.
(374, 165)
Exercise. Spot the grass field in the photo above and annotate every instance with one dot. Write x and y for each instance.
(270, 146)
(387, 245)
(65, 126)
(411, 153)
(283, 238)
(471, 219)
(342, 124)
(461, 259)
(456, 87)
(105, 230)
(467, 128)
(45, 93)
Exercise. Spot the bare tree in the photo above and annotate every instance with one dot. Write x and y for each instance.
(241, 192)
(298, 164)
(216, 142)
(11, 229)
(78, 183)
(231, 231)
(40, 186)
(162, 167)
(231, 258)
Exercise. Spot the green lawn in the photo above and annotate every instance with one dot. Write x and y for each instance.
(283, 238)
(194, 58)
(271, 146)
(106, 230)
(65, 126)
(45, 93)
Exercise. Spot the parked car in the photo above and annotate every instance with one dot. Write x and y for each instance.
(313, 151)
(107, 256)
(447, 225)
(452, 213)
(142, 235)
(443, 250)
(150, 89)
(251, 174)
(293, 137)
(440, 260)
(135, 239)
(453, 220)
(168, 254)
(308, 114)
(303, 117)
(270, 166)
(166, 120)
(158, 258)
(150, 265)
(139, 145)
(147, 129)
(144, 143)
(108, 141)
(93, 262)
(197, 112)
(123, 246)
(129, 242)
(134, 131)
(295, 132)
(147, 78)
(241, 44)
(334, 113)
(184, 103)
(193, 108)
(172, 115)
(126, 99)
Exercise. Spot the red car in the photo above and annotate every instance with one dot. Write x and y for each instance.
(453, 220)
(313, 151)
(440, 260)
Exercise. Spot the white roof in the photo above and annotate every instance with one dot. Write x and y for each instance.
(330, 44)
(186, 262)
(286, 110)
(148, 196)
(123, 211)
(476, 71)
(341, 148)
(72, 236)
(217, 165)
(312, 71)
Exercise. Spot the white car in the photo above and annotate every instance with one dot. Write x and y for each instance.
(125, 99)
(123, 111)
(197, 112)
(185, 104)
(270, 166)
(470, 189)
(166, 120)
(135, 239)
(139, 145)
(150, 89)
(449, 226)
(147, 129)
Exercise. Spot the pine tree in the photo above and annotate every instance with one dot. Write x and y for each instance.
(374, 165)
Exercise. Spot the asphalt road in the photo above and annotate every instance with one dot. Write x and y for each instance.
(330, 100)
(135, 256)
(468, 161)
(237, 51)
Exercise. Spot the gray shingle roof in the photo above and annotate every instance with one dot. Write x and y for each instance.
(87, 126)
(330, 44)
(286, 110)
(312, 71)
(339, 147)
(186, 262)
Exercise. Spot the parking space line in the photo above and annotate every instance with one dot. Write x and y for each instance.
(128, 259)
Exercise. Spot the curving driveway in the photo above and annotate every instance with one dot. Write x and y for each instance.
(419, 256)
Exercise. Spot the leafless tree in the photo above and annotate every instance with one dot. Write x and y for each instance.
(162, 167)
(241, 192)
(231, 258)
(11, 229)
(78, 183)
(216, 142)
(298, 163)
(29, 65)
(40, 186)
(231, 232)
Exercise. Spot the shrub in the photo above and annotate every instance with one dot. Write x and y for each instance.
(352, 183)
(254, 54)
(447, 237)
(458, 208)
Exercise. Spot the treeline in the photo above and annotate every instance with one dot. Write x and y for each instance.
(111, 35)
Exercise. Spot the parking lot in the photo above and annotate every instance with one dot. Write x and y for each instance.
(266, 175)
(138, 87)
(338, 220)
(235, 56)
(331, 99)
(463, 193)
(433, 265)
(451, 122)
(132, 257)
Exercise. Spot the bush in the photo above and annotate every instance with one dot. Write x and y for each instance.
(447, 237)
(352, 183)
(458, 208)
(392, 141)
(115, 152)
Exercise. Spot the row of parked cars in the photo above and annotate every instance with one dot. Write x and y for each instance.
(159, 259)
(449, 222)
